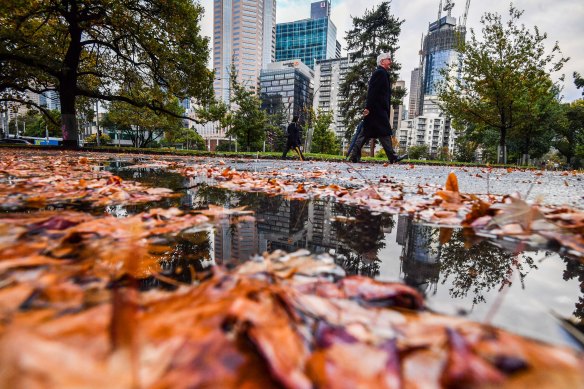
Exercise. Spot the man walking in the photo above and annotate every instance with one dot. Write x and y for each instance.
(376, 113)
(294, 140)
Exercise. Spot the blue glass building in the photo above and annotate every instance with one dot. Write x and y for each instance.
(310, 39)
(439, 51)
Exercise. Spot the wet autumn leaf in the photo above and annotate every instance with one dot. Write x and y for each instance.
(516, 211)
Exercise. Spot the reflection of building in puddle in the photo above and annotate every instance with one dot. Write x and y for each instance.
(298, 224)
(235, 240)
(420, 258)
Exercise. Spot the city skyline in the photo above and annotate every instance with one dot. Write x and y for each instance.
(418, 15)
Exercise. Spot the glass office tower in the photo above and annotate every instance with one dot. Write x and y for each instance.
(310, 39)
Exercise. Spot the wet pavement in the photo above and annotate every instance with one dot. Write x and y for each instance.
(498, 282)
(544, 186)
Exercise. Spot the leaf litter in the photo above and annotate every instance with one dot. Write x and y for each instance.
(72, 315)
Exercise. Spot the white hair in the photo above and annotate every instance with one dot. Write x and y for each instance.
(381, 57)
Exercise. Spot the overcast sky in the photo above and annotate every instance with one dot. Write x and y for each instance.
(562, 20)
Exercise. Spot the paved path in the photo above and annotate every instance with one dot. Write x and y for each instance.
(547, 187)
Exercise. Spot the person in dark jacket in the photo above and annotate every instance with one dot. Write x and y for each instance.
(294, 139)
(376, 113)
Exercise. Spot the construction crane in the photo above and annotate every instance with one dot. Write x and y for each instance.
(463, 25)
(448, 7)
(439, 10)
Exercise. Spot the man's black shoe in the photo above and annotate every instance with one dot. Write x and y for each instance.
(397, 159)
(403, 156)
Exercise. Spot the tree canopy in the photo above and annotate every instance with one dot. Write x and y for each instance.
(505, 83)
(90, 48)
(324, 140)
(375, 32)
(249, 120)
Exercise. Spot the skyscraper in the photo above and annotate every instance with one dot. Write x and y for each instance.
(415, 89)
(320, 9)
(309, 39)
(438, 52)
(243, 34)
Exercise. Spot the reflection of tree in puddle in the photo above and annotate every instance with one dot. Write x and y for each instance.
(480, 267)
(361, 239)
(428, 254)
(575, 269)
(189, 254)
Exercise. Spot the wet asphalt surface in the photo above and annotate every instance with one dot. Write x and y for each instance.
(560, 188)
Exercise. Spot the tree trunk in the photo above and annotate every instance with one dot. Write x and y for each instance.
(372, 148)
(502, 149)
(68, 82)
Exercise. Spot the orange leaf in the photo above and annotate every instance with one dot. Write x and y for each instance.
(452, 182)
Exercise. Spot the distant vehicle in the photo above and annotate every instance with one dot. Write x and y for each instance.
(15, 141)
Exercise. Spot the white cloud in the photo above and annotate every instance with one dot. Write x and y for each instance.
(560, 19)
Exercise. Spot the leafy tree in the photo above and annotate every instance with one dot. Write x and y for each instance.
(144, 126)
(277, 121)
(375, 32)
(324, 140)
(87, 48)
(541, 113)
(249, 120)
(418, 152)
(216, 111)
(579, 81)
(501, 76)
(569, 136)
(188, 137)
(104, 139)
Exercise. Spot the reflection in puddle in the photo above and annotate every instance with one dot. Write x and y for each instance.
(516, 289)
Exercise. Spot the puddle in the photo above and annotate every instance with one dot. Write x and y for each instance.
(487, 281)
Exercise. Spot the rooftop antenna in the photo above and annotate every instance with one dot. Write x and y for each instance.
(440, 10)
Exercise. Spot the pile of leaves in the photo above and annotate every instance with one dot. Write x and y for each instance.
(73, 314)
(285, 320)
(66, 179)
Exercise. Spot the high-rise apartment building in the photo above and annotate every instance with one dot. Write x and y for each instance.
(329, 74)
(415, 90)
(243, 34)
(309, 39)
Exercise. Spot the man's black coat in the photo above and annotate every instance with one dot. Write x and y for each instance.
(294, 137)
(376, 124)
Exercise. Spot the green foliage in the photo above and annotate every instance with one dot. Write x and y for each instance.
(466, 149)
(569, 135)
(35, 124)
(216, 111)
(188, 138)
(505, 84)
(88, 48)
(376, 32)
(418, 152)
(324, 140)
(277, 122)
(144, 126)
(249, 120)
(579, 81)
(104, 139)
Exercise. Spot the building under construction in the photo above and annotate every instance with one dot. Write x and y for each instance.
(439, 50)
